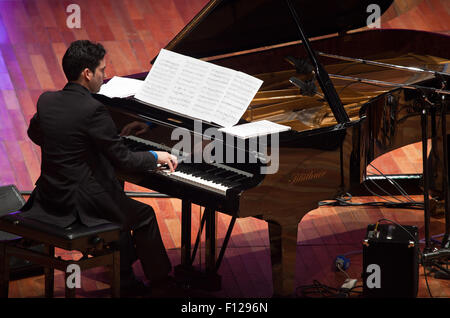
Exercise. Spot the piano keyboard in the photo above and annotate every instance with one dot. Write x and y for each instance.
(215, 177)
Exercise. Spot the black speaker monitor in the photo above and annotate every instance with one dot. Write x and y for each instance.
(390, 261)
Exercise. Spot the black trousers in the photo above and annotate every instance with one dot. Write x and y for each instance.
(142, 240)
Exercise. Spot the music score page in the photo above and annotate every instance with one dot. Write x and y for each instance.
(198, 89)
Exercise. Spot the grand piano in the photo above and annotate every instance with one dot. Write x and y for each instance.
(332, 139)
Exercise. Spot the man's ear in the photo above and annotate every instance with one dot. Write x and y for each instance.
(87, 74)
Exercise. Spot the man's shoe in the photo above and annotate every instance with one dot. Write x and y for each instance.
(167, 281)
(130, 286)
(134, 288)
(167, 287)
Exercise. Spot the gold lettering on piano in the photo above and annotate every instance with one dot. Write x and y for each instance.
(175, 120)
(305, 175)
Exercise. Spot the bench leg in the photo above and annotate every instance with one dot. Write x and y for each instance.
(115, 275)
(49, 272)
(4, 271)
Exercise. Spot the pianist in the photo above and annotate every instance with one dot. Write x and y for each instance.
(81, 149)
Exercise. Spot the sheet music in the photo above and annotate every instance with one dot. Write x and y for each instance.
(120, 87)
(159, 81)
(211, 94)
(198, 89)
(241, 90)
(253, 129)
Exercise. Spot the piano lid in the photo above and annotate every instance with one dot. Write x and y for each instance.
(226, 26)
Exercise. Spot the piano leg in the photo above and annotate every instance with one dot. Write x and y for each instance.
(283, 250)
(186, 233)
(210, 237)
(185, 273)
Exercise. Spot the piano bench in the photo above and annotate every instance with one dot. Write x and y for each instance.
(95, 243)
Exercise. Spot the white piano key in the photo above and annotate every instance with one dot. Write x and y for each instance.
(190, 179)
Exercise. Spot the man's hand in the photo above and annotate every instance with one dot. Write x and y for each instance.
(168, 159)
(134, 128)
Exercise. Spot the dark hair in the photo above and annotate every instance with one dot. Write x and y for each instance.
(82, 54)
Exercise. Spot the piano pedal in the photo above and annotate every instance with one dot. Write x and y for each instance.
(191, 278)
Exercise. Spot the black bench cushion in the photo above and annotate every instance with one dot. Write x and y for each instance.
(10, 199)
(72, 232)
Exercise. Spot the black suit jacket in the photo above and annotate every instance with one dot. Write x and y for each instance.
(81, 150)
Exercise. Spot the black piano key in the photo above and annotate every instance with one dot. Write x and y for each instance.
(243, 178)
(232, 177)
(232, 184)
(202, 175)
(227, 174)
(207, 173)
(197, 171)
(219, 172)
(193, 169)
(212, 175)
(211, 169)
(183, 167)
(235, 178)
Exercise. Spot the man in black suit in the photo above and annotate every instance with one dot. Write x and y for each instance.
(81, 149)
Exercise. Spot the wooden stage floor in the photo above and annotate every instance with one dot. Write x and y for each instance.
(323, 234)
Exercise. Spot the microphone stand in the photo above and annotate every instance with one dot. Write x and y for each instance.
(323, 79)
